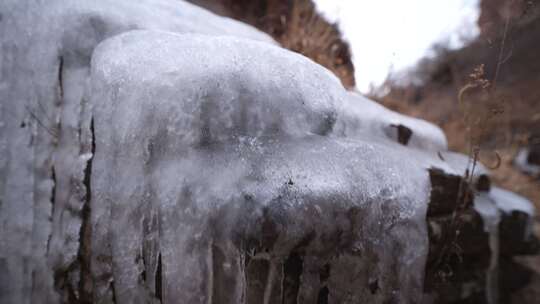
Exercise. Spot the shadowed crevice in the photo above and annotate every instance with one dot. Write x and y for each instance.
(113, 291)
(159, 270)
(323, 296)
(85, 234)
(403, 134)
(53, 190)
(324, 275)
(60, 78)
(292, 272)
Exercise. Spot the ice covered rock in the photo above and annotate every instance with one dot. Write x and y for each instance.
(234, 161)
(45, 134)
(159, 166)
(528, 160)
(361, 117)
(472, 249)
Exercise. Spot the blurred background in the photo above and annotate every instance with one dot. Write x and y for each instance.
(470, 66)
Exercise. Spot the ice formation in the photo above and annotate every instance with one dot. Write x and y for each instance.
(45, 134)
(493, 206)
(508, 202)
(522, 162)
(240, 165)
(361, 117)
(486, 206)
(143, 164)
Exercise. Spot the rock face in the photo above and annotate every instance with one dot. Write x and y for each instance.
(147, 157)
(241, 168)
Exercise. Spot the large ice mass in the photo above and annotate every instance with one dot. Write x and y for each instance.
(148, 156)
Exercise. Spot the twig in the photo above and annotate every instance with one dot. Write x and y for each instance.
(51, 132)
(501, 52)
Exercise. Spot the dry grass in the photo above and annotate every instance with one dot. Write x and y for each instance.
(491, 125)
(308, 33)
(500, 117)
